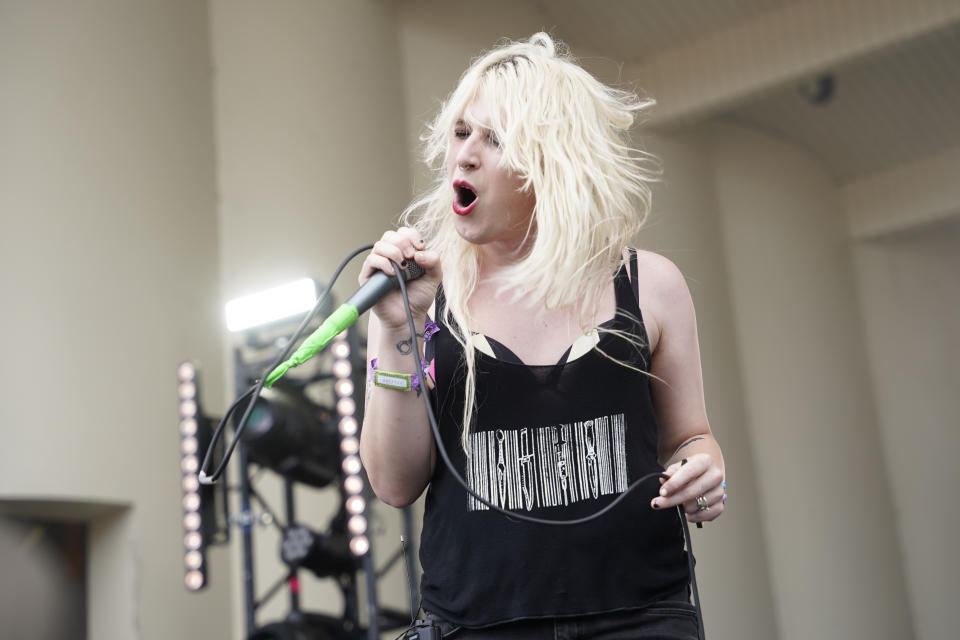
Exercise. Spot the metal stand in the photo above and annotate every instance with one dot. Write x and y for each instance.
(349, 624)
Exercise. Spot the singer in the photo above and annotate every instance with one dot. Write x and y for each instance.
(563, 365)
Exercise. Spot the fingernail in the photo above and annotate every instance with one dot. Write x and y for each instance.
(656, 505)
(723, 500)
(403, 264)
(683, 462)
(663, 492)
(723, 485)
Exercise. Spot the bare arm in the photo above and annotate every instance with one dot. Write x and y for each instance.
(678, 394)
(396, 445)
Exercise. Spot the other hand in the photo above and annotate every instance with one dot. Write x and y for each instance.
(693, 478)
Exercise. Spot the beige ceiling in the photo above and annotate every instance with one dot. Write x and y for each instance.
(629, 30)
(897, 89)
(889, 108)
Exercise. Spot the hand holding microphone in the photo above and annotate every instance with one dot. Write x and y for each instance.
(403, 245)
(377, 290)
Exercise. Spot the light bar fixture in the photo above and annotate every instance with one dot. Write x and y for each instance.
(194, 560)
(271, 305)
(350, 447)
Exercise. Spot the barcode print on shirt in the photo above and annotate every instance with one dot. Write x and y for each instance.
(529, 468)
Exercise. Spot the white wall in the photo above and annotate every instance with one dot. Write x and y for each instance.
(108, 256)
(733, 569)
(824, 491)
(910, 300)
(312, 163)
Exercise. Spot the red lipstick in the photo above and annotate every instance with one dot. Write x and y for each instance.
(464, 197)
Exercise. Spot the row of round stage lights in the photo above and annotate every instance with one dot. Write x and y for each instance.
(195, 577)
(350, 447)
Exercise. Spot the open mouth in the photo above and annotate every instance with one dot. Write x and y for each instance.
(465, 197)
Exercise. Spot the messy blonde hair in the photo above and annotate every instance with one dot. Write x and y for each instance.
(566, 135)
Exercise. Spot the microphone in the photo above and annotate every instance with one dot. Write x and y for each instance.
(369, 293)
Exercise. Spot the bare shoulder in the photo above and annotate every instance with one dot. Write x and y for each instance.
(662, 293)
(659, 278)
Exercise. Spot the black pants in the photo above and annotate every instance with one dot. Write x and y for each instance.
(665, 620)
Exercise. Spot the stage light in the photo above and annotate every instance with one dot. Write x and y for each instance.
(352, 465)
(188, 427)
(294, 437)
(344, 387)
(191, 502)
(192, 540)
(346, 406)
(353, 484)
(342, 368)
(341, 350)
(359, 545)
(324, 555)
(195, 580)
(199, 503)
(348, 426)
(189, 464)
(186, 371)
(357, 525)
(189, 446)
(356, 504)
(271, 305)
(349, 446)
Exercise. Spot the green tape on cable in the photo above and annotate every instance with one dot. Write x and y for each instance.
(339, 320)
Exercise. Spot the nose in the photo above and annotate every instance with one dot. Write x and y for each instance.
(468, 156)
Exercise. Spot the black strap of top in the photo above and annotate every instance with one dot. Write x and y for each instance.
(634, 271)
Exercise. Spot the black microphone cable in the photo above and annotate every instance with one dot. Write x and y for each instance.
(254, 392)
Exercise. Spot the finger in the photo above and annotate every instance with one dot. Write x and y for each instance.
(698, 486)
(429, 260)
(683, 472)
(711, 513)
(413, 237)
(693, 487)
(404, 239)
(383, 252)
(712, 498)
(372, 264)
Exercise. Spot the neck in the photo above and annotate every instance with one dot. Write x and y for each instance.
(496, 257)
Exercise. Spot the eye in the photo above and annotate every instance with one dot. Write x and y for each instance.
(461, 132)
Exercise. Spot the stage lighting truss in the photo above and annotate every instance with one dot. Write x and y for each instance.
(355, 504)
(194, 555)
(201, 526)
(306, 430)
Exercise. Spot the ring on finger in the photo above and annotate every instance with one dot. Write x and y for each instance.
(702, 504)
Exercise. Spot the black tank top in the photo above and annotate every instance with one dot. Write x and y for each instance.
(557, 442)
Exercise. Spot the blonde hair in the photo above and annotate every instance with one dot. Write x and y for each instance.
(566, 135)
